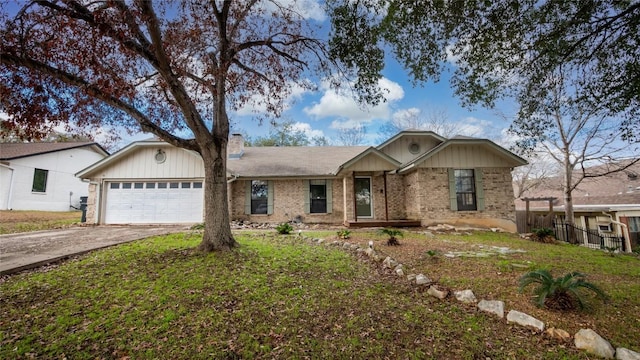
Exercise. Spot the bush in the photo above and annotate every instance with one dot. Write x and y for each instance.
(544, 235)
(393, 235)
(344, 234)
(284, 228)
(563, 293)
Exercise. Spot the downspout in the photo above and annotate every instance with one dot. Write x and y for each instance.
(10, 195)
(625, 232)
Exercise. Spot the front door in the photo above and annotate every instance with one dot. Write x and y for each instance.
(364, 203)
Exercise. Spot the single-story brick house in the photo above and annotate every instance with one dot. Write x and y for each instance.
(416, 177)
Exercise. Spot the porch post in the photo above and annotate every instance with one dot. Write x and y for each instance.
(353, 190)
(386, 205)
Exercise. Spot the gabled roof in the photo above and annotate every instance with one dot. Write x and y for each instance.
(292, 161)
(10, 151)
(370, 151)
(120, 154)
(463, 141)
(412, 133)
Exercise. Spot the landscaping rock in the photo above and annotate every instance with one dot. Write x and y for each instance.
(346, 245)
(355, 247)
(320, 241)
(411, 277)
(589, 341)
(465, 296)
(440, 294)
(369, 251)
(399, 271)
(422, 280)
(389, 263)
(523, 319)
(492, 306)
(558, 334)
(626, 354)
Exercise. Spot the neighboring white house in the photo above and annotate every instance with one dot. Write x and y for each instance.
(41, 176)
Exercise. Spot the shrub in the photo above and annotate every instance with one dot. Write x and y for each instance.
(284, 228)
(563, 293)
(344, 234)
(544, 235)
(393, 235)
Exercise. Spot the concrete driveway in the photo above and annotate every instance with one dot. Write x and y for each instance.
(28, 250)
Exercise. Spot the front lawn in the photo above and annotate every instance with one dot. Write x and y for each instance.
(17, 221)
(280, 297)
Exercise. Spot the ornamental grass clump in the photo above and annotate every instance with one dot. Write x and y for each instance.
(562, 293)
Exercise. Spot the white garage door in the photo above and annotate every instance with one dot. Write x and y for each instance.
(154, 202)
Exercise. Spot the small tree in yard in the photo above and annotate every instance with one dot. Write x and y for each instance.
(562, 293)
(392, 235)
(168, 68)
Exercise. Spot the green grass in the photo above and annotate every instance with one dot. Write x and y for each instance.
(275, 297)
(17, 221)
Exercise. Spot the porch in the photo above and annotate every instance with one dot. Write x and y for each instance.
(382, 223)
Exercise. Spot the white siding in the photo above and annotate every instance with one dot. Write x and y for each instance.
(371, 162)
(141, 164)
(466, 156)
(63, 188)
(399, 149)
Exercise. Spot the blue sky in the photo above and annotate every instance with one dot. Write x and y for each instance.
(320, 113)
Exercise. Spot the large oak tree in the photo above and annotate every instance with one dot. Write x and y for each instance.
(502, 48)
(171, 69)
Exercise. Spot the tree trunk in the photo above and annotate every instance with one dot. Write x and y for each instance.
(568, 200)
(217, 229)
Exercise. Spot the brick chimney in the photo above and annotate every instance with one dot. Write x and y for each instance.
(235, 148)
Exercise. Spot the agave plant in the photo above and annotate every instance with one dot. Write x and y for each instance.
(562, 293)
(393, 235)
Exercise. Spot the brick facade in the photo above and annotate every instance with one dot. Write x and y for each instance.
(422, 194)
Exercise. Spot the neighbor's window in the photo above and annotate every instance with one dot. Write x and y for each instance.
(40, 180)
(259, 196)
(318, 196)
(465, 189)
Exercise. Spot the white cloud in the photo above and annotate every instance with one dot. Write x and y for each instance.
(307, 130)
(257, 104)
(307, 9)
(471, 126)
(344, 106)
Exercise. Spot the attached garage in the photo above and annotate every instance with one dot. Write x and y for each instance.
(147, 182)
(153, 202)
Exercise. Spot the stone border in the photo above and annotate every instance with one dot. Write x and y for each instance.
(585, 339)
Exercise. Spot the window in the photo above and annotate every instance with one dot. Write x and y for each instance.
(186, 185)
(318, 196)
(634, 224)
(173, 185)
(259, 197)
(162, 185)
(151, 185)
(114, 186)
(138, 185)
(40, 180)
(197, 185)
(465, 190)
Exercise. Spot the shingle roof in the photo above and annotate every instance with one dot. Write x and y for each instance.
(9, 151)
(614, 189)
(292, 160)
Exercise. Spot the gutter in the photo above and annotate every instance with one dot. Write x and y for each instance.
(10, 195)
(625, 232)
